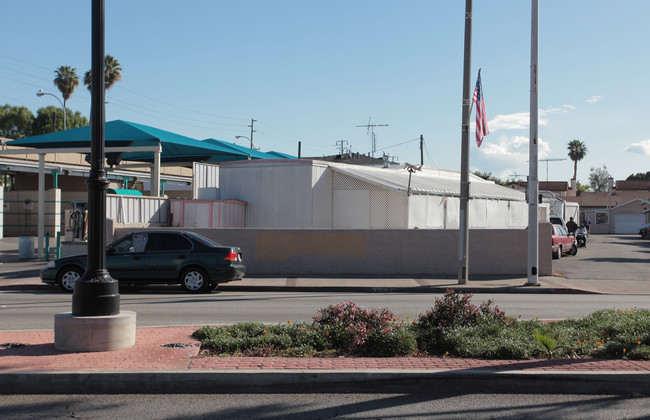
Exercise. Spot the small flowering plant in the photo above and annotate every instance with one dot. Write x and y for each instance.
(354, 330)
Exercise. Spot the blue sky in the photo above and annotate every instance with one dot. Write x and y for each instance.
(312, 71)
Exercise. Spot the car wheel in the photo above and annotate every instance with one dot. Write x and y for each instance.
(67, 278)
(195, 280)
(574, 250)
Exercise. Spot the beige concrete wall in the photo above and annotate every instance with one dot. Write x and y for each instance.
(417, 252)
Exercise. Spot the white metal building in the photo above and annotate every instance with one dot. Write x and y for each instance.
(305, 194)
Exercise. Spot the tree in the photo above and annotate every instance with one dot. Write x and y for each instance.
(489, 177)
(66, 80)
(581, 188)
(15, 122)
(599, 178)
(50, 119)
(639, 176)
(112, 73)
(577, 151)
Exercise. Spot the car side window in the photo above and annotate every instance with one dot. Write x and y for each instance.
(124, 245)
(168, 242)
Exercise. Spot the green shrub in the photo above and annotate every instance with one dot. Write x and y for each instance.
(257, 339)
(452, 311)
(353, 330)
(453, 326)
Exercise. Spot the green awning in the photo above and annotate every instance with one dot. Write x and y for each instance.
(122, 191)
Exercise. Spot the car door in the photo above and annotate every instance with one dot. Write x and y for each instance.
(166, 252)
(125, 258)
(566, 239)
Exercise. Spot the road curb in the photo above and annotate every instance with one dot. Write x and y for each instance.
(360, 289)
(318, 381)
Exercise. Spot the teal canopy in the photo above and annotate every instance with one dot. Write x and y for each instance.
(122, 191)
(176, 149)
(254, 154)
(280, 155)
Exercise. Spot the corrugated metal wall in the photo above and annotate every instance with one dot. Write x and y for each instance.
(205, 181)
(321, 197)
(208, 214)
(139, 210)
(278, 195)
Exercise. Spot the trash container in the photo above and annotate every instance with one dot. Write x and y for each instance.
(26, 247)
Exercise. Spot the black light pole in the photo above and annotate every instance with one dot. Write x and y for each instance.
(97, 293)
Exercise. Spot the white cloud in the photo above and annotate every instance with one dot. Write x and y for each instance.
(641, 147)
(511, 151)
(517, 121)
(557, 110)
(594, 99)
(521, 120)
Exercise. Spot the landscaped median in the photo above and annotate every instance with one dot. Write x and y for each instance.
(454, 326)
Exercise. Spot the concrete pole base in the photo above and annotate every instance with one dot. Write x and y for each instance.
(94, 333)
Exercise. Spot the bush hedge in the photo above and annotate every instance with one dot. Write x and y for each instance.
(454, 326)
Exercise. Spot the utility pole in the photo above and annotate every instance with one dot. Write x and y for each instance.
(533, 180)
(421, 150)
(252, 131)
(371, 129)
(463, 228)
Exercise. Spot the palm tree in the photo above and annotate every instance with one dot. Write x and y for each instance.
(112, 73)
(577, 151)
(66, 80)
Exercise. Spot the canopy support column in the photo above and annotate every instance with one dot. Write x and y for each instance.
(155, 175)
(41, 203)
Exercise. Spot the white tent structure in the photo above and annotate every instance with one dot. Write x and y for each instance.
(315, 194)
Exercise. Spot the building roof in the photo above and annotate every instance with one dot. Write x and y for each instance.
(428, 181)
(633, 184)
(253, 153)
(354, 159)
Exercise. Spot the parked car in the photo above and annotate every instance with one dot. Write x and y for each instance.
(149, 257)
(644, 231)
(563, 242)
(557, 220)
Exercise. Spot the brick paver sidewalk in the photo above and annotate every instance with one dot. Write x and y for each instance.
(39, 354)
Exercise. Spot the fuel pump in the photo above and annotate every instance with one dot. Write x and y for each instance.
(78, 221)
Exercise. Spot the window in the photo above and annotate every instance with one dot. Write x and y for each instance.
(602, 218)
(168, 242)
(132, 243)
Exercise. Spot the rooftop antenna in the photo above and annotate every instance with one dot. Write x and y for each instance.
(550, 160)
(341, 146)
(371, 130)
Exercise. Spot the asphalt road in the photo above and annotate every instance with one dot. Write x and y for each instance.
(411, 405)
(25, 310)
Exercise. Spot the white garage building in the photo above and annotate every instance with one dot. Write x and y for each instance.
(625, 218)
(307, 194)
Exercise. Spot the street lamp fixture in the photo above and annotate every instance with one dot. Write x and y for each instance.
(41, 93)
(247, 138)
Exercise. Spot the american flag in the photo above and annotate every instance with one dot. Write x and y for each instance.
(481, 116)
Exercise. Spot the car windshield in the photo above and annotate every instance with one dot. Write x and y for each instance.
(202, 239)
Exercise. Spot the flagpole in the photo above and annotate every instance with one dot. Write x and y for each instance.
(463, 228)
(533, 181)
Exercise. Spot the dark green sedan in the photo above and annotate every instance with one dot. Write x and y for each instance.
(157, 257)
